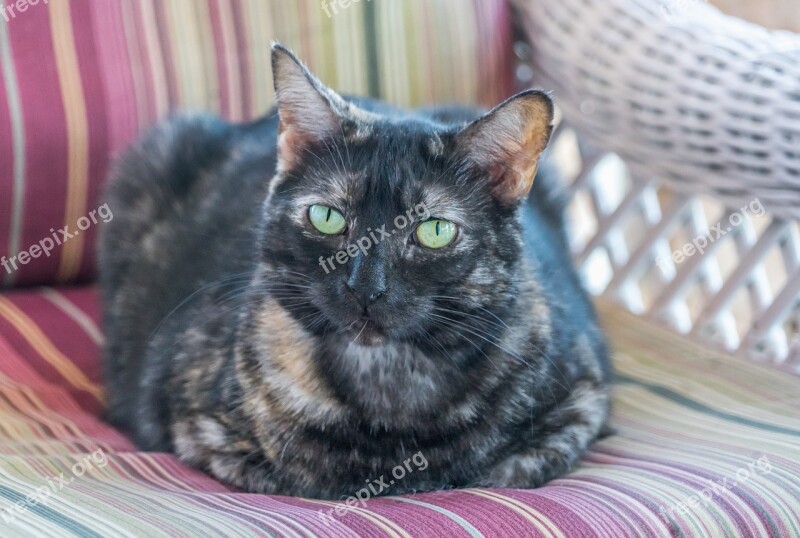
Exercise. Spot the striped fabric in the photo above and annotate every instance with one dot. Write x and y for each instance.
(79, 79)
(705, 446)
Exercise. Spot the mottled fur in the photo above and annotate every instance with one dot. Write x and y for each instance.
(229, 344)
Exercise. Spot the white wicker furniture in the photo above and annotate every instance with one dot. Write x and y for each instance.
(704, 111)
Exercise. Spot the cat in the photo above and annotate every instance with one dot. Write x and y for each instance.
(252, 332)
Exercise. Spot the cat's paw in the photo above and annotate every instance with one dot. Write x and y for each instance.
(527, 470)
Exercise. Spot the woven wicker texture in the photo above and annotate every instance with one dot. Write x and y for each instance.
(706, 102)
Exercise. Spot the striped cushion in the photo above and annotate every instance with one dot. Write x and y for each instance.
(706, 446)
(79, 79)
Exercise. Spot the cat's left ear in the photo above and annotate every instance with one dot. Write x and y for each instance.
(308, 110)
(506, 143)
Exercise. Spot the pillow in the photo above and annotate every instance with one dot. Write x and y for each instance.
(79, 80)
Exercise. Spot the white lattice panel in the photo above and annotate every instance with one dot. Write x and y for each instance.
(742, 293)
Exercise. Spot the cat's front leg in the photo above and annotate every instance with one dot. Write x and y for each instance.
(210, 442)
(573, 425)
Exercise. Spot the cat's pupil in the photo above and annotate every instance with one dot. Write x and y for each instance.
(437, 227)
(328, 217)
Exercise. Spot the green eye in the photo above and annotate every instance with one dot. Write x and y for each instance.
(326, 219)
(436, 233)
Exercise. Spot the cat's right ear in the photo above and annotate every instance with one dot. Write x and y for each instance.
(307, 109)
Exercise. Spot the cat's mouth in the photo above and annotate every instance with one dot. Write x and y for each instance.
(366, 332)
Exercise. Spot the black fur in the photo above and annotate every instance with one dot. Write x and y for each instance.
(229, 344)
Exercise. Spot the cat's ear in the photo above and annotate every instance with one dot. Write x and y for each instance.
(505, 143)
(307, 109)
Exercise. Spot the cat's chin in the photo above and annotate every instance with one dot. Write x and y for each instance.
(367, 333)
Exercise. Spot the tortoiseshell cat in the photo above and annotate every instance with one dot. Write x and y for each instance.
(247, 336)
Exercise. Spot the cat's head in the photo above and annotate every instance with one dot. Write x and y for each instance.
(386, 225)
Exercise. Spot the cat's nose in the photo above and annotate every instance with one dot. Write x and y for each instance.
(366, 295)
(367, 280)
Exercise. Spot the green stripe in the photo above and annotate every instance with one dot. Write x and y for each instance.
(697, 406)
(371, 50)
(17, 134)
(44, 512)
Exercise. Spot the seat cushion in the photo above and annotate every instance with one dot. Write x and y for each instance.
(705, 445)
(79, 80)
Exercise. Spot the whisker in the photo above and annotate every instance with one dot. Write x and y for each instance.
(476, 332)
(361, 331)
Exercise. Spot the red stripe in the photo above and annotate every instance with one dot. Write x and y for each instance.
(498, 56)
(114, 65)
(85, 299)
(221, 48)
(45, 132)
(6, 170)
